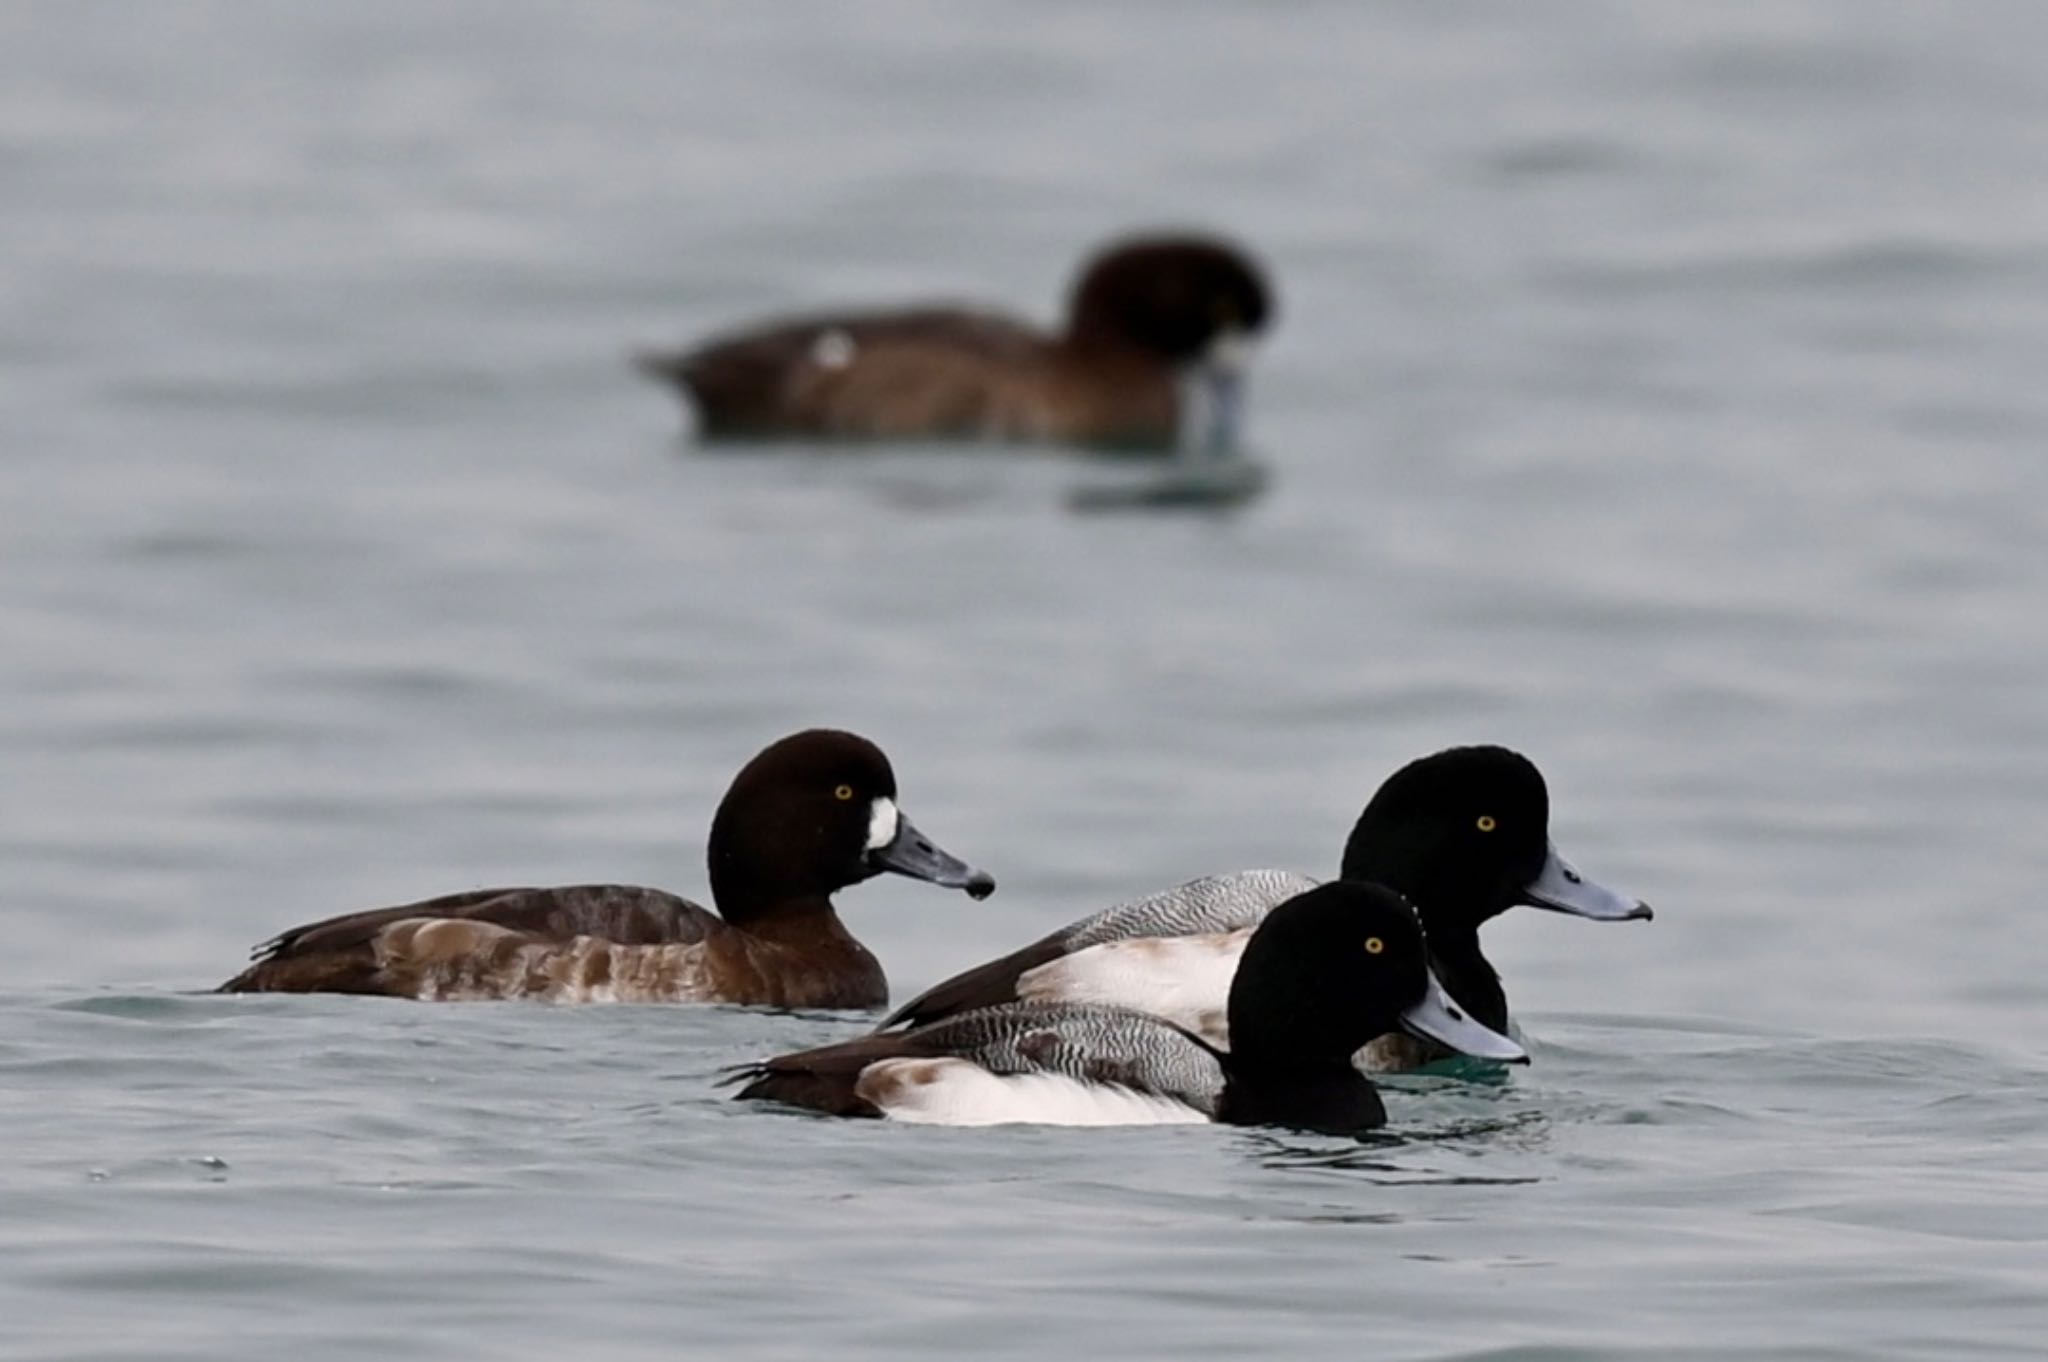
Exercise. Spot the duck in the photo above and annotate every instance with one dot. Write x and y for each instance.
(1152, 353)
(1463, 833)
(812, 813)
(1321, 975)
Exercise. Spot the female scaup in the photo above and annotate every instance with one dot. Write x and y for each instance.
(811, 814)
(1463, 834)
(1146, 312)
(1323, 973)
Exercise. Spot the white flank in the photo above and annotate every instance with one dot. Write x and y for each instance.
(882, 817)
(1185, 979)
(956, 1092)
(833, 349)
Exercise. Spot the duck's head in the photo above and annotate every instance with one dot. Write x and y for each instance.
(1465, 834)
(816, 812)
(1194, 302)
(1329, 970)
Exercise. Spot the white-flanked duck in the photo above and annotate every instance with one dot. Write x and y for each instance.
(1463, 835)
(1322, 974)
(812, 814)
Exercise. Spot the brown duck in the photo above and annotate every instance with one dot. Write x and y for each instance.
(1151, 355)
(812, 814)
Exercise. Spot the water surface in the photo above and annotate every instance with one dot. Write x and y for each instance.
(1656, 390)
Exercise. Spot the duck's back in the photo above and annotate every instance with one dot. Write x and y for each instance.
(925, 373)
(571, 943)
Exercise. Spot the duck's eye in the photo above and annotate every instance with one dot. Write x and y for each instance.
(843, 793)
(1486, 823)
(1373, 945)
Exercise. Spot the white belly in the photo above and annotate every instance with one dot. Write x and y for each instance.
(955, 1092)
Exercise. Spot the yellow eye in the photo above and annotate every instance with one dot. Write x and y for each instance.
(1373, 945)
(1486, 823)
(844, 792)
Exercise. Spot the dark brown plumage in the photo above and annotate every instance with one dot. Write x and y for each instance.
(1143, 313)
(809, 815)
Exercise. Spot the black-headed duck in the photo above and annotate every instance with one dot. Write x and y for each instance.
(1463, 834)
(1322, 974)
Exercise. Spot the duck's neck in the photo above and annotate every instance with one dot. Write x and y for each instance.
(786, 919)
(804, 955)
(1330, 1097)
(1467, 974)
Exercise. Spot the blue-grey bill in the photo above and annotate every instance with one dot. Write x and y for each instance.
(1223, 392)
(1439, 1019)
(1562, 889)
(1217, 391)
(912, 853)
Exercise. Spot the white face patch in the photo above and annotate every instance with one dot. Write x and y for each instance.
(1230, 353)
(882, 818)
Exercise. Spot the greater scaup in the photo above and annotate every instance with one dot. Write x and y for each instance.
(1146, 313)
(1464, 834)
(1322, 974)
(809, 815)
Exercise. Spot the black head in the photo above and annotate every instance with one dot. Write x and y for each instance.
(1461, 833)
(1324, 973)
(811, 814)
(1169, 295)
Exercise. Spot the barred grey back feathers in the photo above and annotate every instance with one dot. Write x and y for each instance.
(1086, 1041)
(1214, 903)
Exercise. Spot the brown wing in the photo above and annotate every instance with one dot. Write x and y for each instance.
(338, 955)
(931, 372)
(824, 1079)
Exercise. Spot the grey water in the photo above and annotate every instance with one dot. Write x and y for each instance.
(1657, 389)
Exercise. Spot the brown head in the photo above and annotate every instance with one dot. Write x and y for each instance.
(813, 813)
(1172, 296)
(1188, 301)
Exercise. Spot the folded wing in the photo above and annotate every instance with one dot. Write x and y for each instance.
(932, 372)
(487, 943)
(947, 1071)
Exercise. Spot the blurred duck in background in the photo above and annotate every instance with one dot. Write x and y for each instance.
(1152, 356)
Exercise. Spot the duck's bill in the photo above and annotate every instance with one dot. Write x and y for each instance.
(1439, 1019)
(906, 851)
(1219, 389)
(1562, 889)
